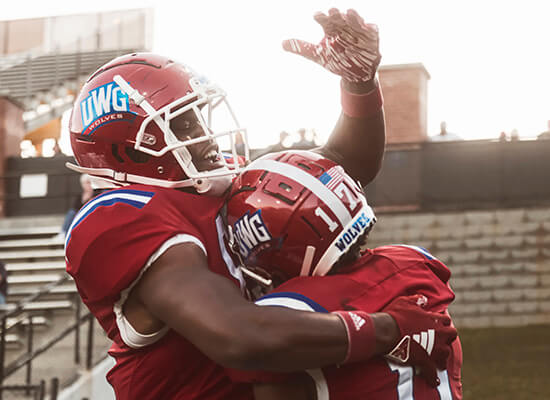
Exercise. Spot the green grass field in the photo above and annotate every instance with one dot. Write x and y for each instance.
(506, 363)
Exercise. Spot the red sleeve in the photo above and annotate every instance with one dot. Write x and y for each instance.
(116, 239)
(393, 271)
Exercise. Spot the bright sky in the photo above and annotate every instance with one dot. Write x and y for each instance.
(489, 61)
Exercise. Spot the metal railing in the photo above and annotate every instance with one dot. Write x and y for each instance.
(31, 352)
(37, 391)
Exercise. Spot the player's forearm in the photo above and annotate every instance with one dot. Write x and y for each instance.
(359, 137)
(287, 340)
(239, 334)
(350, 49)
(209, 311)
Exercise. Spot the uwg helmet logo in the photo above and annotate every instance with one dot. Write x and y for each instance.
(106, 103)
(250, 231)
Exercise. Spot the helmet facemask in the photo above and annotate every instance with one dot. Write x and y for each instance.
(203, 103)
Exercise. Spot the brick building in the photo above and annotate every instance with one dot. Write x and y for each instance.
(405, 89)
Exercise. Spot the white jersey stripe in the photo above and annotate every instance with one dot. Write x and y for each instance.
(285, 302)
(320, 383)
(424, 339)
(233, 270)
(421, 250)
(444, 387)
(431, 341)
(144, 199)
(128, 334)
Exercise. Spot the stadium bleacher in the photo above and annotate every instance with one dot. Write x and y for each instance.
(500, 260)
(34, 258)
(500, 263)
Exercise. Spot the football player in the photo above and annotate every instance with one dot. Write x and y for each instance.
(148, 256)
(297, 221)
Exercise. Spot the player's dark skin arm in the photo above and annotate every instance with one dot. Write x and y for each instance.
(209, 310)
(358, 143)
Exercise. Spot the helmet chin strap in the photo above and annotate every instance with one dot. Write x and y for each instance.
(308, 259)
(213, 186)
(125, 179)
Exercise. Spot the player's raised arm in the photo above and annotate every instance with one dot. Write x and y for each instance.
(350, 50)
(207, 309)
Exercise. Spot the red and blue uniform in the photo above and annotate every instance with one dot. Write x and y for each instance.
(371, 283)
(113, 239)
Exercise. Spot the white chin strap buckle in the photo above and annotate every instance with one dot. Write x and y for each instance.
(213, 186)
(202, 185)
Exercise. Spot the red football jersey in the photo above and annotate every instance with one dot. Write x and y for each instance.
(111, 242)
(377, 278)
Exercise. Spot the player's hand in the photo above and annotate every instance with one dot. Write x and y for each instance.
(425, 336)
(349, 48)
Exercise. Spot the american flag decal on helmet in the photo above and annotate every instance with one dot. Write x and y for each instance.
(332, 177)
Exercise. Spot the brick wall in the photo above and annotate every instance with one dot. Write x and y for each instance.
(499, 260)
(405, 89)
(11, 133)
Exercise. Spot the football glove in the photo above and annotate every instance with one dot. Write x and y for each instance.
(425, 337)
(349, 48)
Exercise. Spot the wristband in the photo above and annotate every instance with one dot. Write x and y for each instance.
(361, 335)
(361, 105)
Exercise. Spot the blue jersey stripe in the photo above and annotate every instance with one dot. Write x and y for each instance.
(124, 191)
(286, 299)
(420, 250)
(134, 198)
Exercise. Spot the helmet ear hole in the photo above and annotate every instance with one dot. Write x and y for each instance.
(114, 151)
(136, 156)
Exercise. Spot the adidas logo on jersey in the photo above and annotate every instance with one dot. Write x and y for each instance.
(357, 321)
(426, 339)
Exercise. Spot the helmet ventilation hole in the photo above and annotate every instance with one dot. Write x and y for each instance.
(284, 186)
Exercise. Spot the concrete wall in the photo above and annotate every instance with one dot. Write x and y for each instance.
(499, 260)
(94, 31)
(21, 35)
(91, 384)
